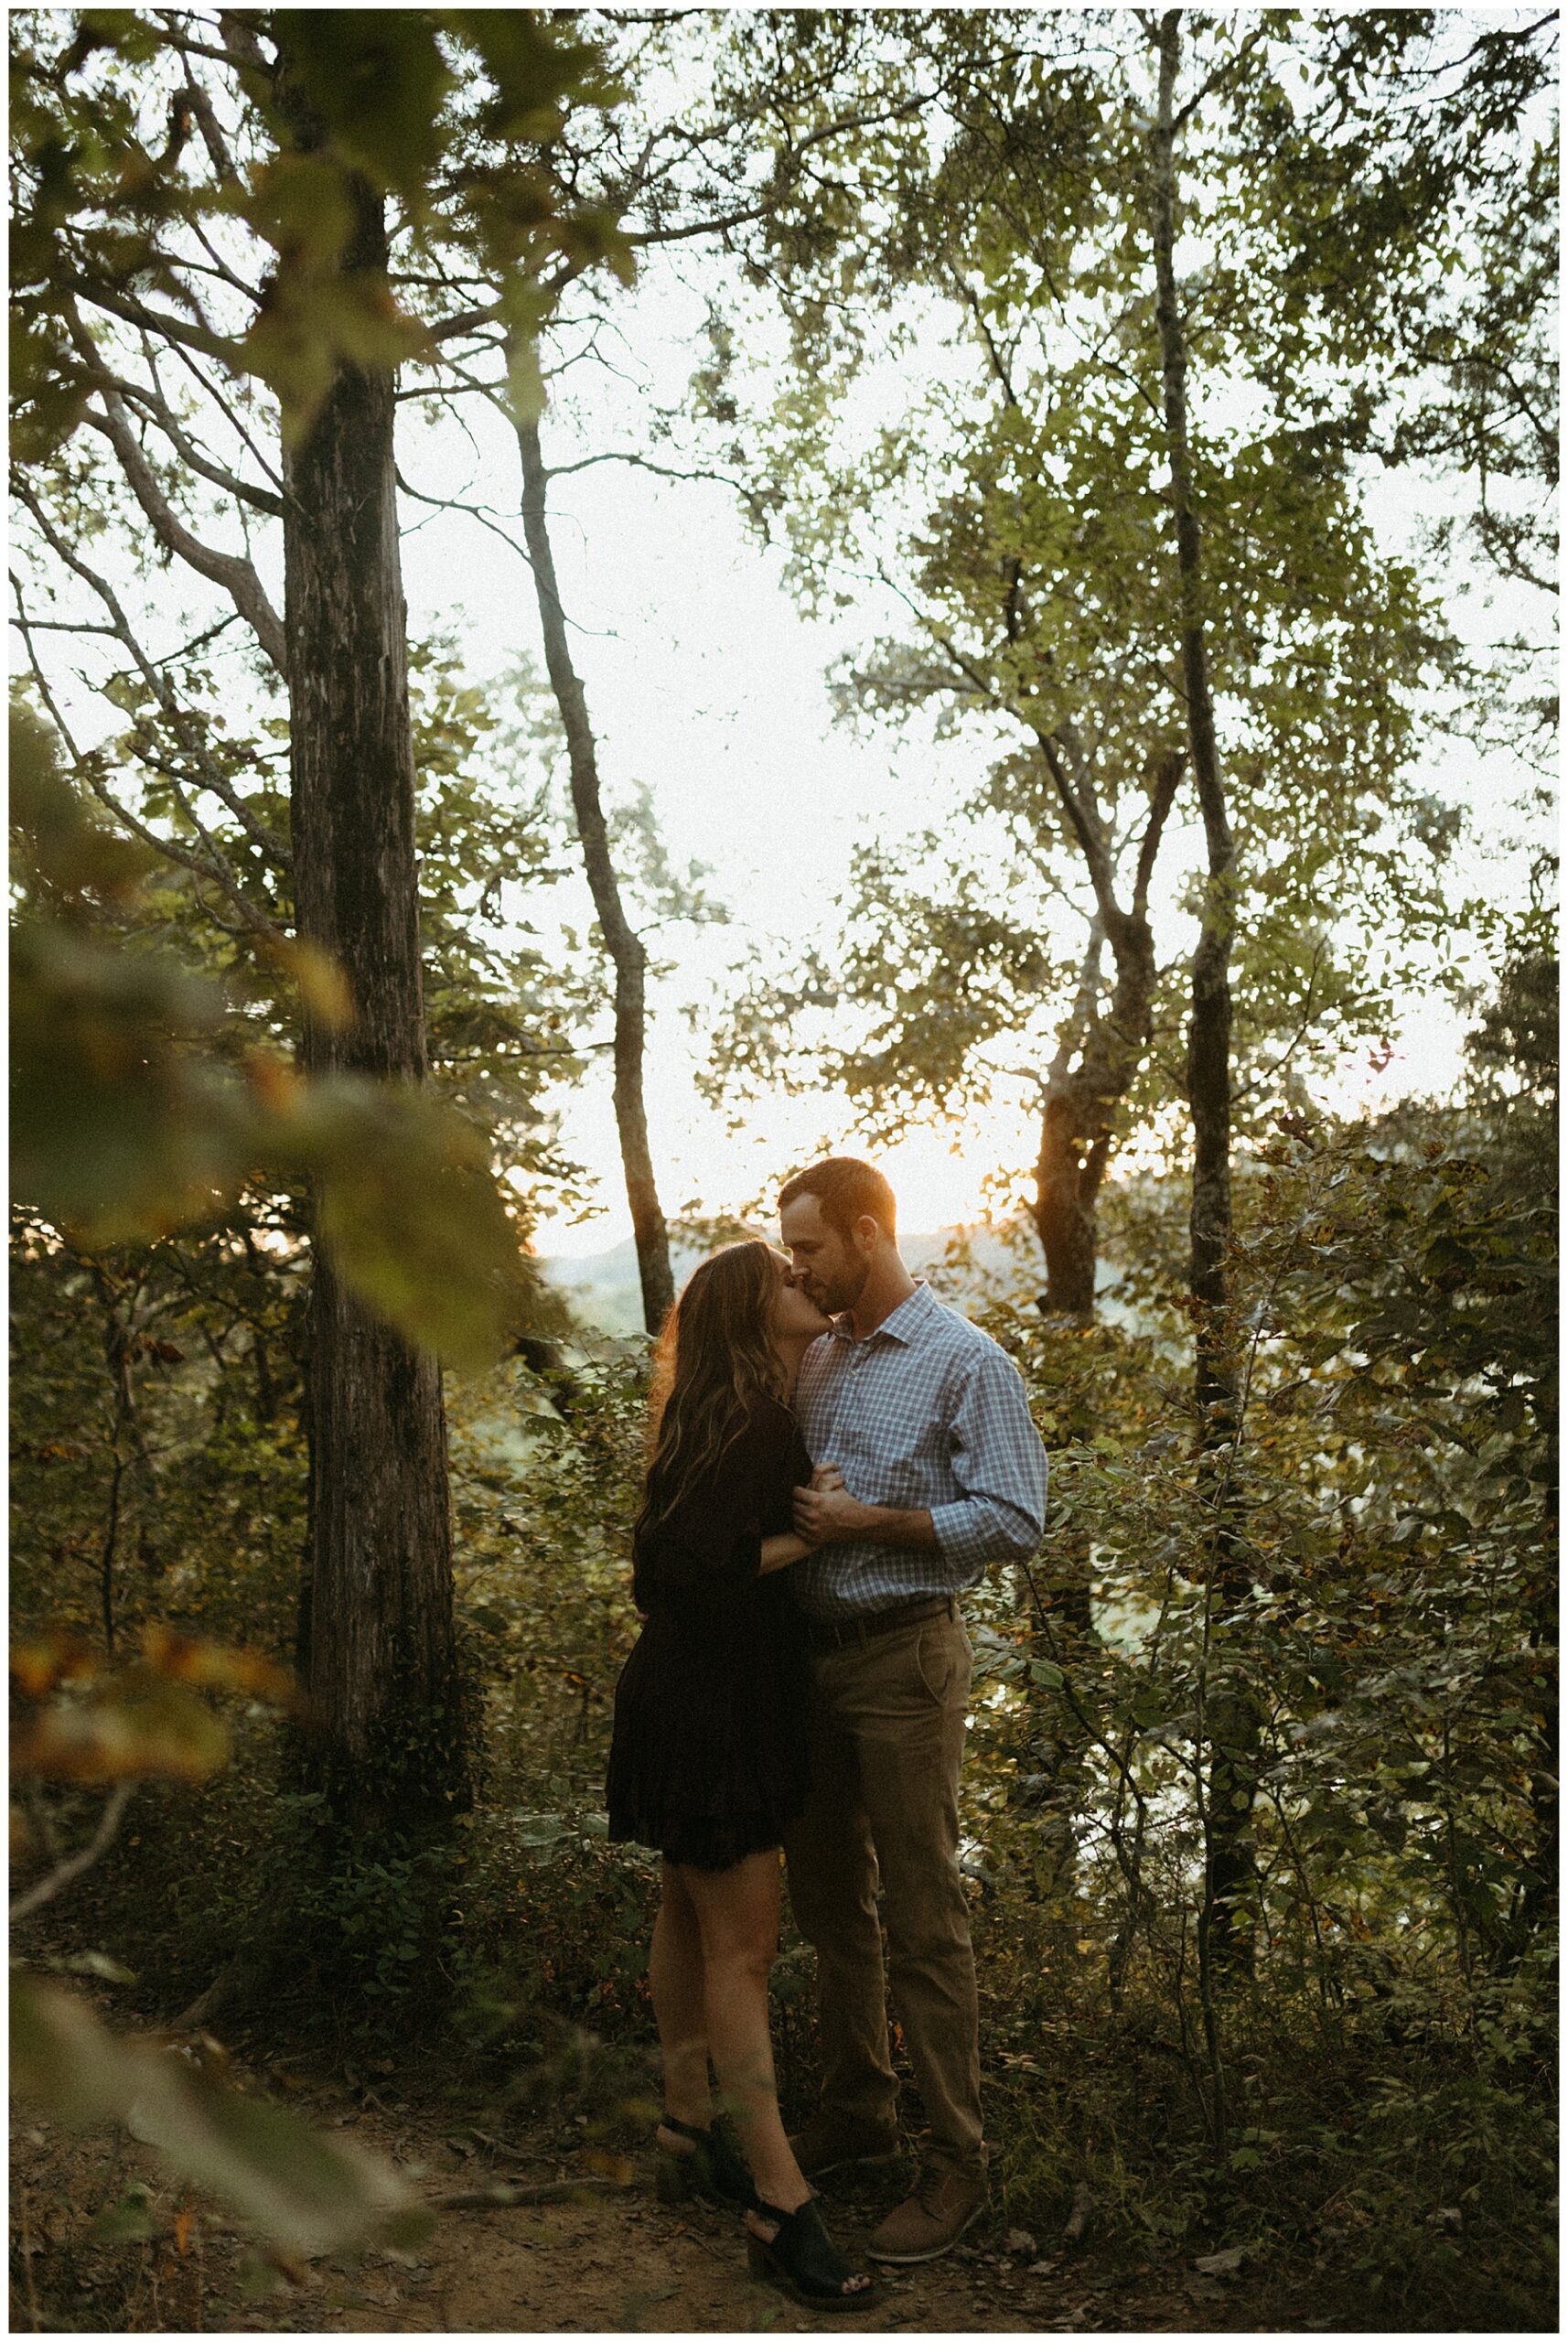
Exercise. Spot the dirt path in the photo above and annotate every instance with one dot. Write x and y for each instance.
(616, 2261)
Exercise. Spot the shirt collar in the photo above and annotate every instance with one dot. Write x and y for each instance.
(900, 1325)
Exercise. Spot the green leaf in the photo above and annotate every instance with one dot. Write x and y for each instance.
(412, 1218)
(307, 2194)
(375, 78)
(531, 70)
(309, 326)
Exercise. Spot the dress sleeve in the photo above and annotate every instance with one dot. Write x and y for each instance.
(709, 1550)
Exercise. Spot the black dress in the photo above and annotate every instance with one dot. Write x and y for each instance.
(712, 1711)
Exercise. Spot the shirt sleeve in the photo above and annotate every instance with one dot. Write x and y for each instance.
(1000, 1464)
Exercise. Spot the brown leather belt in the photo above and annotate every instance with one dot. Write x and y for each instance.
(835, 1634)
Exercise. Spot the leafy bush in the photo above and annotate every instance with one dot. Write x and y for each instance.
(1360, 2097)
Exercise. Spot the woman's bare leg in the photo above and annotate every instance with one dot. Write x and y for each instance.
(737, 1915)
(675, 1981)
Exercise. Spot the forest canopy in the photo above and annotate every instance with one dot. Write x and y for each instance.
(602, 603)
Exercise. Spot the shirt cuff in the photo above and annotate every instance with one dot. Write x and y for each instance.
(970, 1532)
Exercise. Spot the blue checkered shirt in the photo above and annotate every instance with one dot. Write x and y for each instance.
(925, 1413)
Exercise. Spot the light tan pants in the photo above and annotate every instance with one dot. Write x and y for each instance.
(884, 1768)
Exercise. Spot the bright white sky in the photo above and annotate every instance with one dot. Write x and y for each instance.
(705, 684)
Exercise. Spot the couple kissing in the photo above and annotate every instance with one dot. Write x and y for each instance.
(835, 1456)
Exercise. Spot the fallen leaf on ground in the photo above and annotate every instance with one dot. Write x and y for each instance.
(1222, 2264)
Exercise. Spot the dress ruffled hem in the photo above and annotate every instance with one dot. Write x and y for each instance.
(699, 1842)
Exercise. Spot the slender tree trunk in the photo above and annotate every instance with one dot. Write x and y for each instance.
(107, 1554)
(127, 1441)
(628, 958)
(1225, 1933)
(382, 1671)
(1074, 1146)
(1538, 1910)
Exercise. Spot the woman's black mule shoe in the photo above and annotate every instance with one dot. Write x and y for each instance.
(713, 2165)
(803, 2259)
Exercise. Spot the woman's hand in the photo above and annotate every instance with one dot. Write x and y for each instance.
(826, 1477)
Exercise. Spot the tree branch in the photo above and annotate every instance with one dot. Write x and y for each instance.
(217, 868)
(53, 1882)
(168, 329)
(159, 413)
(1167, 779)
(236, 575)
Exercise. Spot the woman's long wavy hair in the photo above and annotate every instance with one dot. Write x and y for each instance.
(713, 1359)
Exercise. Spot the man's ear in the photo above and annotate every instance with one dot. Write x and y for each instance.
(867, 1231)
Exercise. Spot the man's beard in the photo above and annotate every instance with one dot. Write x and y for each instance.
(843, 1290)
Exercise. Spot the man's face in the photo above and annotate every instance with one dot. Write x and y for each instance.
(830, 1269)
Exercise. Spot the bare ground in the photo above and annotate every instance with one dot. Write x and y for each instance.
(611, 2261)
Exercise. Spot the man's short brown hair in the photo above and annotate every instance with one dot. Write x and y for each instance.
(847, 1190)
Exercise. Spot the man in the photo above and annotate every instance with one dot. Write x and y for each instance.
(928, 1466)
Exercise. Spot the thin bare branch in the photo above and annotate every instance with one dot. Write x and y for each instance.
(208, 776)
(236, 575)
(63, 1874)
(158, 412)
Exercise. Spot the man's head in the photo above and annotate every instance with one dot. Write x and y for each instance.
(838, 1220)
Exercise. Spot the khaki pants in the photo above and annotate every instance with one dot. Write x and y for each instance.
(885, 1768)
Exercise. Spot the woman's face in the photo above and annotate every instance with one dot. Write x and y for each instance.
(793, 1312)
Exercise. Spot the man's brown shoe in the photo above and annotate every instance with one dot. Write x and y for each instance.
(931, 2222)
(828, 2143)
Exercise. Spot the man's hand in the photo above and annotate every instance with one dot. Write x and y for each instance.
(825, 1513)
(826, 1480)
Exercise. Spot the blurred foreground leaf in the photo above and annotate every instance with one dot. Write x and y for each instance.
(116, 1133)
(143, 1721)
(126, 1122)
(52, 1658)
(411, 1216)
(304, 2192)
(138, 1727)
(189, 1659)
(130, 2221)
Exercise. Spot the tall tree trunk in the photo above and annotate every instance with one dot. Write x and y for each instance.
(1074, 1148)
(381, 1659)
(1225, 1932)
(628, 958)
(1100, 1048)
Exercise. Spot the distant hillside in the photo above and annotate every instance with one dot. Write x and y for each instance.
(602, 1289)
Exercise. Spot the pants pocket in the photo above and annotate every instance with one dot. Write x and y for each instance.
(942, 1661)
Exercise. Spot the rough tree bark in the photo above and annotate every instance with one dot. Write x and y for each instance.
(381, 1664)
(622, 942)
(1225, 1932)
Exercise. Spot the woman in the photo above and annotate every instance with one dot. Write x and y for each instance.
(709, 1757)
